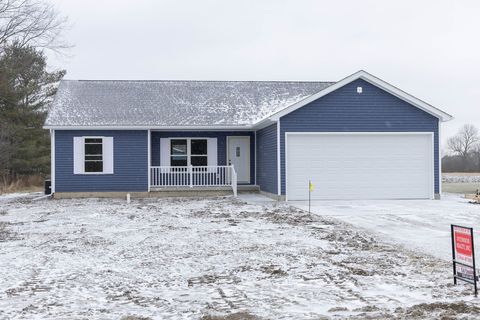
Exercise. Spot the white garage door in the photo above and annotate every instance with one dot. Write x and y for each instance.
(359, 165)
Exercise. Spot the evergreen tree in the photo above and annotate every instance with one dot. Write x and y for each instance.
(26, 88)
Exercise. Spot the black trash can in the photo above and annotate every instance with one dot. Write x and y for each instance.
(48, 186)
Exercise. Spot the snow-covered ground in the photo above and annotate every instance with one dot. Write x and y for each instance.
(452, 178)
(193, 258)
(418, 224)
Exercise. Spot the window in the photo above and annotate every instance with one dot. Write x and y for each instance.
(199, 152)
(179, 153)
(184, 152)
(93, 155)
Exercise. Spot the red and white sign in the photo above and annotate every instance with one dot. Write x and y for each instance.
(463, 252)
(463, 238)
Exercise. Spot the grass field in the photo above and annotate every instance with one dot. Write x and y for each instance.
(461, 174)
(460, 187)
(461, 182)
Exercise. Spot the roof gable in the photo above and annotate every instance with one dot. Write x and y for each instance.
(443, 116)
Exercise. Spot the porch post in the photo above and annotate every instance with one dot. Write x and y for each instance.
(190, 175)
(149, 139)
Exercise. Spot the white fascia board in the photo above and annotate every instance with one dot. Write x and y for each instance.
(443, 116)
(264, 123)
(173, 128)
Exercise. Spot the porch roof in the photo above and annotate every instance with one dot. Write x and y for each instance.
(117, 103)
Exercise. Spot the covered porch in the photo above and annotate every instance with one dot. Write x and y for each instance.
(201, 160)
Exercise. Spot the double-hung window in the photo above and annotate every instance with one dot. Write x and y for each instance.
(179, 153)
(198, 152)
(93, 155)
(188, 152)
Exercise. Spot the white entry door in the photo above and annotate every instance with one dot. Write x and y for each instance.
(360, 165)
(238, 155)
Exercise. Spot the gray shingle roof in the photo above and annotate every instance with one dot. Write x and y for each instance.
(173, 103)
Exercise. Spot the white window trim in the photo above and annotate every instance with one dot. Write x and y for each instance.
(103, 156)
(189, 150)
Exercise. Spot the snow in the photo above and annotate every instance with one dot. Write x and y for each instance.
(184, 258)
(461, 179)
(417, 224)
(174, 103)
(18, 195)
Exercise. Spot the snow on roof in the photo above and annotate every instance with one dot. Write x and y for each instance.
(173, 103)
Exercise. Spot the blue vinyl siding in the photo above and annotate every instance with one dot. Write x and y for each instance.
(344, 110)
(267, 159)
(130, 162)
(221, 144)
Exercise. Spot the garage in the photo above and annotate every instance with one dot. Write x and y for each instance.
(360, 165)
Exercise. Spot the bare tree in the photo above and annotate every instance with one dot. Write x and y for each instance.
(31, 23)
(465, 141)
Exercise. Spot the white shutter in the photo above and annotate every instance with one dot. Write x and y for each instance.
(78, 155)
(212, 152)
(164, 151)
(108, 155)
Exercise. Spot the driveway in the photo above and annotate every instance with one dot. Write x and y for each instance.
(417, 224)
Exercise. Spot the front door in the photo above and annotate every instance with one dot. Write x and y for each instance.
(239, 157)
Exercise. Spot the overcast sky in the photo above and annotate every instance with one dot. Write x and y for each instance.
(430, 49)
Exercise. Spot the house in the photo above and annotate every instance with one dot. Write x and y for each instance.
(358, 138)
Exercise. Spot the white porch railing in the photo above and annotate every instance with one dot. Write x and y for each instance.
(198, 176)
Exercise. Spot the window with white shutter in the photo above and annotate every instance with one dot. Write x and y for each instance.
(93, 155)
(182, 152)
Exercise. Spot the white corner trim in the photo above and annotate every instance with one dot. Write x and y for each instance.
(439, 160)
(433, 165)
(52, 160)
(255, 159)
(149, 155)
(286, 166)
(443, 116)
(279, 171)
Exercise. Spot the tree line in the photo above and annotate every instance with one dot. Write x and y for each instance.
(465, 151)
(28, 28)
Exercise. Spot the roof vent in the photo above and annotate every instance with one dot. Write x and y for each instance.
(359, 90)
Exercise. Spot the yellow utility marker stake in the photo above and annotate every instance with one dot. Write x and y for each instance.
(310, 189)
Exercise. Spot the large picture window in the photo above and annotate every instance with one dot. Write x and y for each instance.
(93, 155)
(185, 152)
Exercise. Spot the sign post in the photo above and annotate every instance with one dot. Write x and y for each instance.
(463, 253)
